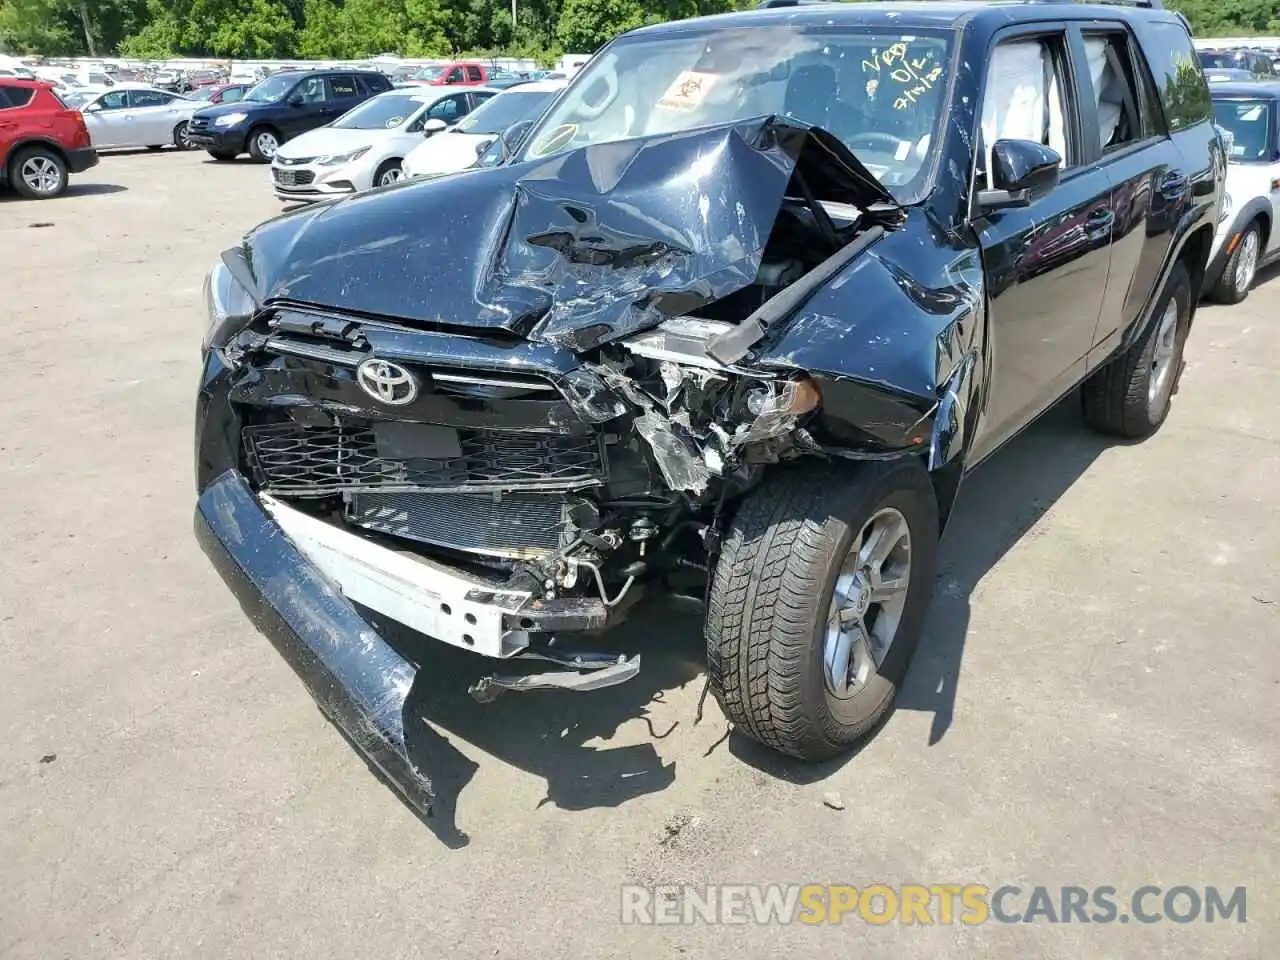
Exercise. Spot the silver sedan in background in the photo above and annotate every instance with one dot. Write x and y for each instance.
(139, 117)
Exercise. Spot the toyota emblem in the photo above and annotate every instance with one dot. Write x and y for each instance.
(387, 383)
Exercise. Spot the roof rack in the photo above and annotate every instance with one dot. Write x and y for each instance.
(1149, 4)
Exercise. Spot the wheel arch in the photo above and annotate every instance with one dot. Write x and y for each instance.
(27, 143)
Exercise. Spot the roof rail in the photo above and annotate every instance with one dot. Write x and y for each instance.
(1149, 4)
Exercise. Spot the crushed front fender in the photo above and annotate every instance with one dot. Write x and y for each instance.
(356, 677)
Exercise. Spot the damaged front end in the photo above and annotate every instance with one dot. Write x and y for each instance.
(500, 430)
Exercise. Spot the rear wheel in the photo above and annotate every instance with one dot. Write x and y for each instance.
(818, 601)
(182, 137)
(263, 144)
(1237, 276)
(1130, 396)
(38, 173)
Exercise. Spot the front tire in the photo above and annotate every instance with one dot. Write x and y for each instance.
(263, 144)
(181, 137)
(818, 601)
(38, 173)
(1130, 397)
(388, 173)
(1241, 267)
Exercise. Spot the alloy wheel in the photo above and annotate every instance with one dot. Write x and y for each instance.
(41, 174)
(267, 143)
(1164, 356)
(867, 603)
(392, 175)
(1247, 261)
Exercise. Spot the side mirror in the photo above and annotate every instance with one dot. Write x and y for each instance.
(92, 107)
(1021, 171)
(433, 126)
(482, 146)
(450, 79)
(295, 100)
(513, 136)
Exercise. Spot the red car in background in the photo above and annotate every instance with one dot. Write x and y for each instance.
(462, 74)
(221, 93)
(42, 140)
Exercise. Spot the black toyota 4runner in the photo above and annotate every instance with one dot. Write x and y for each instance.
(750, 299)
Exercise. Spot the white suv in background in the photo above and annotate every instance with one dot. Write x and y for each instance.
(366, 146)
(460, 146)
(1246, 114)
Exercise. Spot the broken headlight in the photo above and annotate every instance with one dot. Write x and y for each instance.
(230, 307)
(590, 398)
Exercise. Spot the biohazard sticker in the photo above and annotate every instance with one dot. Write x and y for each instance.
(688, 91)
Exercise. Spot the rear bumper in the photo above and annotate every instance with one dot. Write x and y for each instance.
(356, 677)
(81, 160)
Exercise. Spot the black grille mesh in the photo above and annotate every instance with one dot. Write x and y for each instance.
(316, 461)
(519, 525)
(293, 178)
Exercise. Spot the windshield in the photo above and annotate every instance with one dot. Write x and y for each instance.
(879, 92)
(1248, 122)
(494, 116)
(380, 113)
(271, 89)
(429, 73)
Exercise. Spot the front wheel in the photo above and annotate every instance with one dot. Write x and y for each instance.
(818, 601)
(38, 173)
(1237, 276)
(182, 137)
(263, 144)
(390, 172)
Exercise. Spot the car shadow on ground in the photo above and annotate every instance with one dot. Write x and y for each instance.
(564, 737)
(74, 190)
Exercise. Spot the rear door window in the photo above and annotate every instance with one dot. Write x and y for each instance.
(343, 88)
(13, 97)
(474, 74)
(1116, 94)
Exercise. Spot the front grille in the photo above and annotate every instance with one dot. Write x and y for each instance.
(317, 461)
(293, 178)
(517, 526)
(198, 123)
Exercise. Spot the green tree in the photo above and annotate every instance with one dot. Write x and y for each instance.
(586, 25)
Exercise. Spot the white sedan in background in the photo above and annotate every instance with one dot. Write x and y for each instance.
(458, 147)
(366, 146)
(129, 116)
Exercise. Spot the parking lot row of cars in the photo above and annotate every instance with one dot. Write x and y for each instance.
(369, 127)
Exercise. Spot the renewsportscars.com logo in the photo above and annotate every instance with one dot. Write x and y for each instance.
(922, 904)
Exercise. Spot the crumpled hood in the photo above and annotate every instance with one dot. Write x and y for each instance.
(577, 249)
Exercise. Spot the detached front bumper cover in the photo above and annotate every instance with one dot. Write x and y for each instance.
(356, 677)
